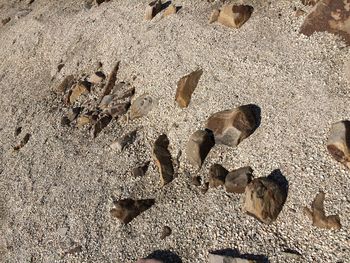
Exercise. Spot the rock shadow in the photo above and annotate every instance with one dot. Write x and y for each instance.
(256, 110)
(281, 180)
(165, 256)
(229, 252)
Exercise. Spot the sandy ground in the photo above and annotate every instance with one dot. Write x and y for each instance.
(56, 192)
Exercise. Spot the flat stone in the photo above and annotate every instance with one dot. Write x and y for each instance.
(162, 158)
(198, 147)
(338, 143)
(153, 9)
(217, 175)
(170, 10)
(264, 199)
(186, 86)
(237, 180)
(123, 141)
(230, 127)
(141, 106)
(127, 209)
(234, 15)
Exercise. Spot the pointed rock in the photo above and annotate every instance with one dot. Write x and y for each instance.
(141, 106)
(186, 86)
(237, 180)
(170, 10)
(153, 9)
(217, 175)
(100, 125)
(112, 78)
(234, 15)
(338, 143)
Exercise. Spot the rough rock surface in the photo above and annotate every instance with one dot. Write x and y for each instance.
(237, 180)
(338, 143)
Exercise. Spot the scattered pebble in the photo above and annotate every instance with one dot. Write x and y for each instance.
(186, 86)
(338, 143)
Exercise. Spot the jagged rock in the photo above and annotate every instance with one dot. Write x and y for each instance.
(217, 175)
(166, 232)
(338, 143)
(162, 158)
(230, 127)
(23, 142)
(331, 16)
(100, 125)
(73, 113)
(141, 106)
(123, 141)
(170, 10)
(198, 147)
(127, 209)
(82, 88)
(264, 199)
(237, 180)
(112, 78)
(232, 15)
(97, 77)
(153, 9)
(65, 85)
(186, 86)
(318, 216)
(213, 258)
(141, 170)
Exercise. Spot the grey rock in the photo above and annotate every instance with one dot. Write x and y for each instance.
(217, 175)
(237, 180)
(198, 147)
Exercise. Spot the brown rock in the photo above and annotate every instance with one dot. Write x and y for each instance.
(318, 216)
(112, 78)
(170, 10)
(338, 143)
(198, 147)
(83, 120)
(79, 89)
(234, 15)
(196, 180)
(237, 180)
(119, 109)
(162, 158)
(153, 9)
(329, 16)
(127, 209)
(141, 106)
(166, 232)
(217, 175)
(186, 86)
(264, 199)
(65, 85)
(100, 125)
(299, 12)
(230, 127)
(214, 16)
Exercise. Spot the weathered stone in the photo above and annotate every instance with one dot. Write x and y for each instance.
(198, 147)
(65, 85)
(234, 15)
(217, 175)
(213, 258)
(123, 141)
(170, 10)
(331, 16)
(237, 180)
(186, 86)
(141, 106)
(100, 125)
(166, 232)
(264, 199)
(338, 143)
(153, 9)
(214, 16)
(23, 142)
(79, 89)
(97, 77)
(127, 209)
(230, 127)
(318, 216)
(162, 158)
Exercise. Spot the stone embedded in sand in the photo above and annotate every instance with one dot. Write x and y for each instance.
(331, 16)
(100, 125)
(264, 199)
(318, 216)
(338, 143)
(186, 86)
(141, 170)
(170, 10)
(5, 20)
(213, 258)
(196, 180)
(153, 9)
(141, 106)
(237, 180)
(65, 85)
(112, 78)
(234, 15)
(214, 16)
(166, 232)
(162, 158)
(106, 101)
(73, 113)
(123, 141)
(217, 175)
(127, 209)
(198, 147)
(23, 142)
(230, 127)
(82, 88)
(97, 77)
(205, 188)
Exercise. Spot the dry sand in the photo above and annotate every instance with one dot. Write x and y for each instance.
(56, 192)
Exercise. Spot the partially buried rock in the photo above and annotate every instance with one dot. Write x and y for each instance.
(217, 175)
(237, 180)
(100, 125)
(127, 209)
(230, 127)
(23, 142)
(141, 106)
(166, 232)
(338, 143)
(149, 261)
(141, 170)
(170, 10)
(214, 16)
(65, 85)
(162, 158)
(79, 89)
(232, 15)
(264, 199)
(123, 141)
(153, 9)
(186, 86)
(213, 258)
(198, 147)
(118, 109)
(196, 180)
(5, 20)
(318, 216)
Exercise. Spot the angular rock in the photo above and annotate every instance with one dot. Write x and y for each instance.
(217, 175)
(65, 85)
(106, 101)
(112, 78)
(141, 106)
(73, 113)
(198, 147)
(79, 89)
(186, 86)
(162, 158)
(100, 125)
(331, 16)
(97, 77)
(23, 142)
(141, 170)
(213, 258)
(318, 216)
(338, 143)
(123, 141)
(153, 9)
(230, 127)
(237, 180)
(166, 232)
(170, 10)
(127, 209)
(264, 199)
(234, 15)
(18, 131)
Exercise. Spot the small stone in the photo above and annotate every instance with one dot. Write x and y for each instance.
(106, 101)
(23, 142)
(74, 250)
(140, 170)
(127, 209)
(186, 86)
(5, 20)
(83, 120)
(100, 125)
(237, 180)
(119, 109)
(299, 12)
(18, 131)
(318, 216)
(214, 16)
(234, 15)
(338, 143)
(97, 78)
(196, 180)
(230, 127)
(166, 232)
(213, 258)
(170, 10)
(59, 67)
(198, 147)
(153, 9)
(73, 113)
(65, 85)
(65, 121)
(205, 188)
(79, 89)
(264, 199)
(141, 106)
(217, 175)
(162, 158)
(123, 141)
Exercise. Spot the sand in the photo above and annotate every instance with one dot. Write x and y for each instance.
(57, 191)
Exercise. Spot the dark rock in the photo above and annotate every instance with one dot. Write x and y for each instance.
(237, 180)
(166, 232)
(100, 125)
(23, 142)
(217, 175)
(196, 180)
(140, 170)
(153, 9)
